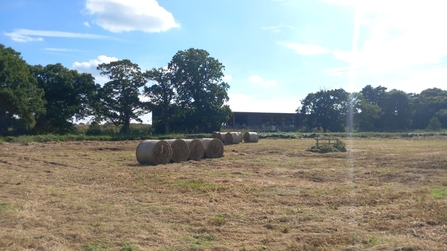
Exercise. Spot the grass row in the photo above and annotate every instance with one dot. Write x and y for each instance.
(262, 135)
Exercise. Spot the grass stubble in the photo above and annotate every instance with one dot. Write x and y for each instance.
(383, 194)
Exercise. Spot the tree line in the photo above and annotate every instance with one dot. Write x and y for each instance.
(188, 95)
(374, 109)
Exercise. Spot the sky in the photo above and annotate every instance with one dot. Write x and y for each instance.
(275, 52)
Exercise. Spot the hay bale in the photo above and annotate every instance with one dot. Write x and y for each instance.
(214, 148)
(233, 137)
(251, 137)
(196, 149)
(154, 152)
(180, 150)
(219, 135)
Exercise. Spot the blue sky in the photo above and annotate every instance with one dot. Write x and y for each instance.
(275, 52)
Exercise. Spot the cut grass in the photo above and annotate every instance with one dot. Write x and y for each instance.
(382, 194)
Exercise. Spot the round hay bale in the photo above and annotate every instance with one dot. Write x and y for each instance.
(233, 138)
(154, 152)
(214, 148)
(196, 149)
(251, 137)
(180, 150)
(219, 135)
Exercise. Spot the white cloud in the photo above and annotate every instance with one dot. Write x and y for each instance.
(90, 67)
(24, 35)
(130, 15)
(87, 24)
(249, 103)
(258, 81)
(278, 28)
(305, 49)
(399, 34)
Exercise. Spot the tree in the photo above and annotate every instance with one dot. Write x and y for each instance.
(68, 94)
(373, 95)
(427, 105)
(120, 101)
(326, 109)
(396, 109)
(161, 94)
(368, 117)
(20, 97)
(202, 95)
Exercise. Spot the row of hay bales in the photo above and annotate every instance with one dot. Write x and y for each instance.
(236, 137)
(154, 152)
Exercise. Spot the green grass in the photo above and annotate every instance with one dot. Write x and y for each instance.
(439, 193)
(198, 186)
(5, 206)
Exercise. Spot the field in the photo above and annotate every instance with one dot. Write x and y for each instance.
(383, 194)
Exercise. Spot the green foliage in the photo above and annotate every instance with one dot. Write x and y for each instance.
(68, 95)
(326, 148)
(396, 112)
(434, 124)
(326, 109)
(201, 93)
(20, 97)
(120, 97)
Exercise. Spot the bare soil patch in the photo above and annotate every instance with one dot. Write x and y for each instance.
(382, 194)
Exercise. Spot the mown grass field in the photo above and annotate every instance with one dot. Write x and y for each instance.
(383, 194)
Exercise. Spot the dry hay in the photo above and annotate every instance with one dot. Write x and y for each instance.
(251, 137)
(180, 150)
(219, 135)
(196, 149)
(233, 137)
(154, 152)
(214, 148)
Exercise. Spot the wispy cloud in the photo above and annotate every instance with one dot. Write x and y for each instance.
(24, 35)
(60, 50)
(305, 49)
(90, 67)
(258, 81)
(87, 24)
(131, 15)
(277, 28)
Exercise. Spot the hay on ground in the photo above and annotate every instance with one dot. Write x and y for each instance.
(154, 152)
(180, 150)
(219, 135)
(196, 149)
(214, 148)
(251, 137)
(233, 138)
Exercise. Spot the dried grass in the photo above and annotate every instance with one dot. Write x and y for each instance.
(180, 150)
(214, 148)
(196, 149)
(154, 152)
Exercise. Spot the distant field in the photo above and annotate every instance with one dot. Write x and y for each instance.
(383, 194)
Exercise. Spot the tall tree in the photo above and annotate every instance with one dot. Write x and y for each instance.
(427, 105)
(120, 97)
(20, 97)
(326, 109)
(396, 109)
(162, 95)
(200, 89)
(68, 95)
(373, 95)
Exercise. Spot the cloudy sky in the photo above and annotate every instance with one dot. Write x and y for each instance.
(275, 52)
